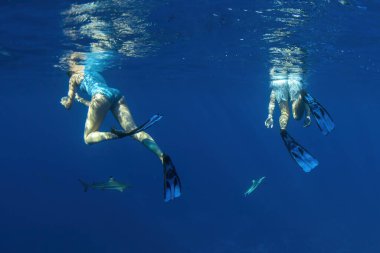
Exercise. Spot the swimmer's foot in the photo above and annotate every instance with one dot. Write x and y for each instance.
(146, 125)
(304, 159)
(323, 118)
(172, 183)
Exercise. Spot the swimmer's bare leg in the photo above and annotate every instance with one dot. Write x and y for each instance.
(284, 117)
(298, 108)
(307, 120)
(124, 116)
(97, 111)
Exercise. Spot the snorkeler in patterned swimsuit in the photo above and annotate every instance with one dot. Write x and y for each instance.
(287, 86)
(104, 99)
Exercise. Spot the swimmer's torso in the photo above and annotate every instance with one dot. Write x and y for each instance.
(93, 83)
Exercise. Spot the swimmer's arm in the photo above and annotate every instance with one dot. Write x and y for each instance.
(272, 104)
(82, 100)
(68, 100)
(73, 83)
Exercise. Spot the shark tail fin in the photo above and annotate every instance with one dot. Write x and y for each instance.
(84, 184)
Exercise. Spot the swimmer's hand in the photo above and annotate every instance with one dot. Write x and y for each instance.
(307, 121)
(269, 122)
(65, 101)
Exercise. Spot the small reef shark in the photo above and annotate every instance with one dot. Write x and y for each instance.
(112, 184)
(255, 184)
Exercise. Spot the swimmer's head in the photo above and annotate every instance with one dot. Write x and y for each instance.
(77, 56)
(69, 73)
(75, 60)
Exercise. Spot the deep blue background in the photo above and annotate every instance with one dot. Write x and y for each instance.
(212, 89)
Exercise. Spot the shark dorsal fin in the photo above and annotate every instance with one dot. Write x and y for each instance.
(111, 180)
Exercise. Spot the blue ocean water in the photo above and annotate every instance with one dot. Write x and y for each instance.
(204, 65)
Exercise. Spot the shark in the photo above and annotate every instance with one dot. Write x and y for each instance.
(255, 184)
(111, 184)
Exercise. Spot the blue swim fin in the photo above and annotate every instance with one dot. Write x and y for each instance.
(323, 118)
(146, 125)
(299, 153)
(172, 183)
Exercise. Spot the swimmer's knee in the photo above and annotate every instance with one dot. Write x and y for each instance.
(86, 140)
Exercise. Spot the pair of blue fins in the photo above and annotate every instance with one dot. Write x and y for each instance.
(325, 123)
